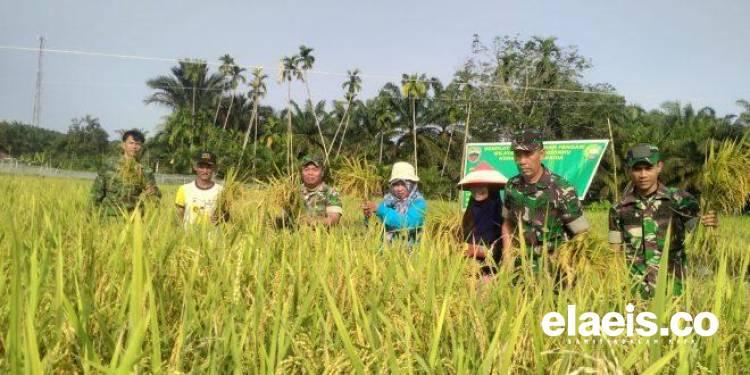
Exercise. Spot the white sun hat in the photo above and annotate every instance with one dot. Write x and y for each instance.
(403, 171)
(483, 174)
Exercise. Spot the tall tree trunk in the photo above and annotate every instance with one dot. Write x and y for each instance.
(315, 116)
(255, 141)
(290, 141)
(343, 135)
(380, 154)
(338, 128)
(216, 115)
(466, 138)
(414, 133)
(445, 160)
(250, 125)
(192, 118)
(229, 111)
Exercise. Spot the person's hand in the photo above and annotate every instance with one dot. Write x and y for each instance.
(368, 208)
(150, 189)
(475, 251)
(215, 218)
(710, 219)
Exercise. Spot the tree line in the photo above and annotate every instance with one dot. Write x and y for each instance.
(504, 85)
(80, 148)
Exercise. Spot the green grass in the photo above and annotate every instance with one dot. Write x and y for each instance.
(83, 294)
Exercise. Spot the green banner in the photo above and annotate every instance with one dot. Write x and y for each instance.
(577, 161)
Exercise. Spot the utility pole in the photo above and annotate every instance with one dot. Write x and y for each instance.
(38, 89)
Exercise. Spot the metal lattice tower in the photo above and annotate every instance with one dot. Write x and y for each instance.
(38, 88)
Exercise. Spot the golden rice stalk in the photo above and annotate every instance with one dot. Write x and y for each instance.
(582, 253)
(725, 187)
(356, 177)
(444, 221)
(725, 180)
(232, 197)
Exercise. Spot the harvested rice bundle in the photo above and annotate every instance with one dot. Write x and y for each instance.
(725, 187)
(281, 199)
(725, 180)
(356, 177)
(231, 201)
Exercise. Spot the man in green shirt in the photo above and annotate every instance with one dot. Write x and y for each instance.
(321, 203)
(638, 224)
(544, 204)
(123, 182)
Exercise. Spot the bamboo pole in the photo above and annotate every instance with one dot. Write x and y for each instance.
(614, 161)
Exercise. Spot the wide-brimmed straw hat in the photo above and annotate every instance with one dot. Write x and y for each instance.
(483, 174)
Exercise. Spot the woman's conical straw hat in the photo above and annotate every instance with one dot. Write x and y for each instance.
(483, 174)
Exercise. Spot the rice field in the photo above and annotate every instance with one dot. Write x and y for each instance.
(82, 294)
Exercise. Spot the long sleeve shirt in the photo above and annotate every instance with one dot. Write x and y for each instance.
(409, 223)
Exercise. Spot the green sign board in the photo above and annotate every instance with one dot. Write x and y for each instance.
(577, 161)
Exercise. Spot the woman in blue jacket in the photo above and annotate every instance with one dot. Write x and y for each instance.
(403, 209)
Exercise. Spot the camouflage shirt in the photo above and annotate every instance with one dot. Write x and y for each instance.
(640, 224)
(120, 183)
(320, 201)
(549, 210)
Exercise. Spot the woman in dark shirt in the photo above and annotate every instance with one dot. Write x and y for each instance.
(482, 220)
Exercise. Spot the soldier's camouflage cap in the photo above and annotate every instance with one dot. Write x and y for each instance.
(205, 157)
(643, 153)
(311, 159)
(527, 140)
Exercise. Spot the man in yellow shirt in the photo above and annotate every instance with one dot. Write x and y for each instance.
(197, 201)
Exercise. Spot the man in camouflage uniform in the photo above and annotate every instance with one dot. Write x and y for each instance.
(321, 203)
(640, 221)
(543, 203)
(123, 181)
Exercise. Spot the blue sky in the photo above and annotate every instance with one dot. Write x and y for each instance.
(651, 51)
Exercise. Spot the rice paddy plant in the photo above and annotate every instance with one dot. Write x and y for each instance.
(583, 253)
(725, 180)
(725, 187)
(444, 221)
(83, 293)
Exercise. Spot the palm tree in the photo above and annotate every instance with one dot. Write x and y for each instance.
(188, 85)
(305, 129)
(744, 118)
(307, 60)
(453, 120)
(232, 77)
(414, 88)
(257, 91)
(193, 74)
(385, 119)
(353, 86)
(429, 132)
(289, 71)
(684, 135)
(224, 70)
(466, 89)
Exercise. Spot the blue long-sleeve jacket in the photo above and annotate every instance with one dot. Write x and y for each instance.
(394, 221)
